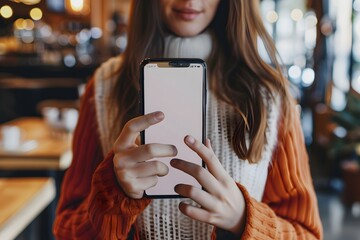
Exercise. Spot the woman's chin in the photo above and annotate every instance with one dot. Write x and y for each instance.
(183, 32)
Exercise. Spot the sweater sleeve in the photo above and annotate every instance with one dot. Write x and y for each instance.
(92, 205)
(289, 208)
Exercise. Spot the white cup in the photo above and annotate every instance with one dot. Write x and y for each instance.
(51, 115)
(11, 137)
(69, 118)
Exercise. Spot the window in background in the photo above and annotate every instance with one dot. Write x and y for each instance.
(341, 13)
(293, 29)
(355, 81)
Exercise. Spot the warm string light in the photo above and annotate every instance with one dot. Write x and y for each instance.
(6, 11)
(296, 14)
(78, 6)
(36, 14)
(272, 16)
(24, 24)
(27, 2)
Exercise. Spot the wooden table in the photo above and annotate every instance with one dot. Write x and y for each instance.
(21, 201)
(51, 152)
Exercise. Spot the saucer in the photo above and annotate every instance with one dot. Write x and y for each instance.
(25, 146)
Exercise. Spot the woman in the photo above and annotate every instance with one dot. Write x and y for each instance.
(257, 181)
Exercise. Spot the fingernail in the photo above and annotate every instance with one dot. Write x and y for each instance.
(175, 152)
(159, 116)
(190, 139)
(173, 162)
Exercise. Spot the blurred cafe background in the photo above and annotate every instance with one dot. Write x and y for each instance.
(50, 48)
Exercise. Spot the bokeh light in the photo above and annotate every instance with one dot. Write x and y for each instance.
(36, 14)
(308, 77)
(297, 14)
(272, 16)
(6, 11)
(295, 73)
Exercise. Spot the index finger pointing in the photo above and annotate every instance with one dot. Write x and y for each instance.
(133, 128)
(206, 153)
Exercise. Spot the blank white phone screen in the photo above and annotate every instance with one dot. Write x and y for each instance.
(179, 93)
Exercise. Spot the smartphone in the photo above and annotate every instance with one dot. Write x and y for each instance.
(177, 87)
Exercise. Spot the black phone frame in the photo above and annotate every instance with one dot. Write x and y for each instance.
(177, 62)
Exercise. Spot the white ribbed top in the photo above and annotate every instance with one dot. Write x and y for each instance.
(162, 219)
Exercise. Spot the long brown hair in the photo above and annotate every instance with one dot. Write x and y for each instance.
(240, 76)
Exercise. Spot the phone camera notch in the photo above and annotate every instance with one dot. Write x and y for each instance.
(179, 64)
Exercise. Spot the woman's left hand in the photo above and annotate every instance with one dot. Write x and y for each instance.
(222, 203)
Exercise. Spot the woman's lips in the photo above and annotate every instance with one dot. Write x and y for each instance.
(187, 14)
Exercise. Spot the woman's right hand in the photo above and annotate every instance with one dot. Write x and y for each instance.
(133, 172)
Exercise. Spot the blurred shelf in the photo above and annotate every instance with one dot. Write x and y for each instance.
(27, 70)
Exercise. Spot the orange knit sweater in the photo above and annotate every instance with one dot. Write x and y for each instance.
(93, 206)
